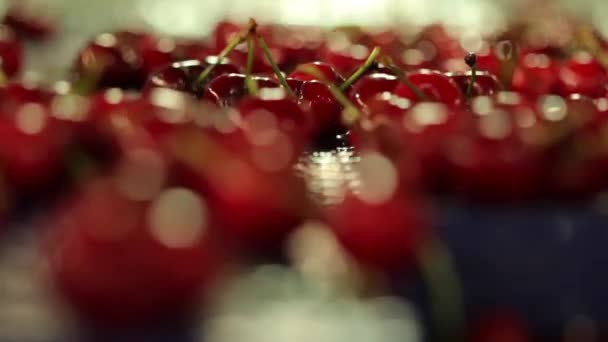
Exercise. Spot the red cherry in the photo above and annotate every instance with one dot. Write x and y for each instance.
(370, 86)
(428, 129)
(346, 57)
(149, 261)
(32, 153)
(435, 85)
(299, 45)
(182, 76)
(485, 83)
(536, 74)
(316, 97)
(281, 113)
(11, 52)
(584, 75)
(381, 226)
(29, 24)
(155, 52)
(493, 160)
(252, 175)
(228, 89)
(328, 71)
(111, 60)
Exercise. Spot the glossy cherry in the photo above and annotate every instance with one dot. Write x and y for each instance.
(329, 73)
(182, 76)
(228, 89)
(370, 86)
(435, 85)
(315, 97)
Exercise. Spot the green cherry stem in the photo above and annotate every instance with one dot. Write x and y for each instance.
(234, 42)
(250, 83)
(362, 69)
(388, 63)
(471, 60)
(275, 67)
(350, 114)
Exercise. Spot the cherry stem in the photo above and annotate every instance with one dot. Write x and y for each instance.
(388, 63)
(234, 42)
(250, 83)
(471, 60)
(275, 67)
(350, 114)
(362, 69)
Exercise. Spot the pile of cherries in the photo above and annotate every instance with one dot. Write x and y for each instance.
(173, 159)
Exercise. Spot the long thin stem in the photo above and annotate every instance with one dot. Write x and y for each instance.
(388, 63)
(250, 83)
(275, 67)
(362, 69)
(234, 42)
(350, 114)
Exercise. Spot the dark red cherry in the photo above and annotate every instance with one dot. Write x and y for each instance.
(182, 76)
(31, 154)
(28, 23)
(485, 83)
(582, 74)
(381, 225)
(329, 73)
(155, 52)
(227, 89)
(111, 60)
(428, 129)
(536, 74)
(145, 264)
(16, 94)
(491, 159)
(435, 85)
(252, 175)
(346, 57)
(370, 86)
(11, 52)
(316, 98)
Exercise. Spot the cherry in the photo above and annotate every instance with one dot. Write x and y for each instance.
(380, 224)
(369, 86)
(29, 24)
(428, 130)
(487, 60)
(32, 153)
(346, 58)
(328, 71)
(536, 74)
(316, 97)
(434, 85)
(228, 89)
(285, 115)
(252, 191)
(149, 261)
(182, 76)
(485, 82)
(11, 52)
(582, 74)
(111, 60)
(492, 160)
(298, 45)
